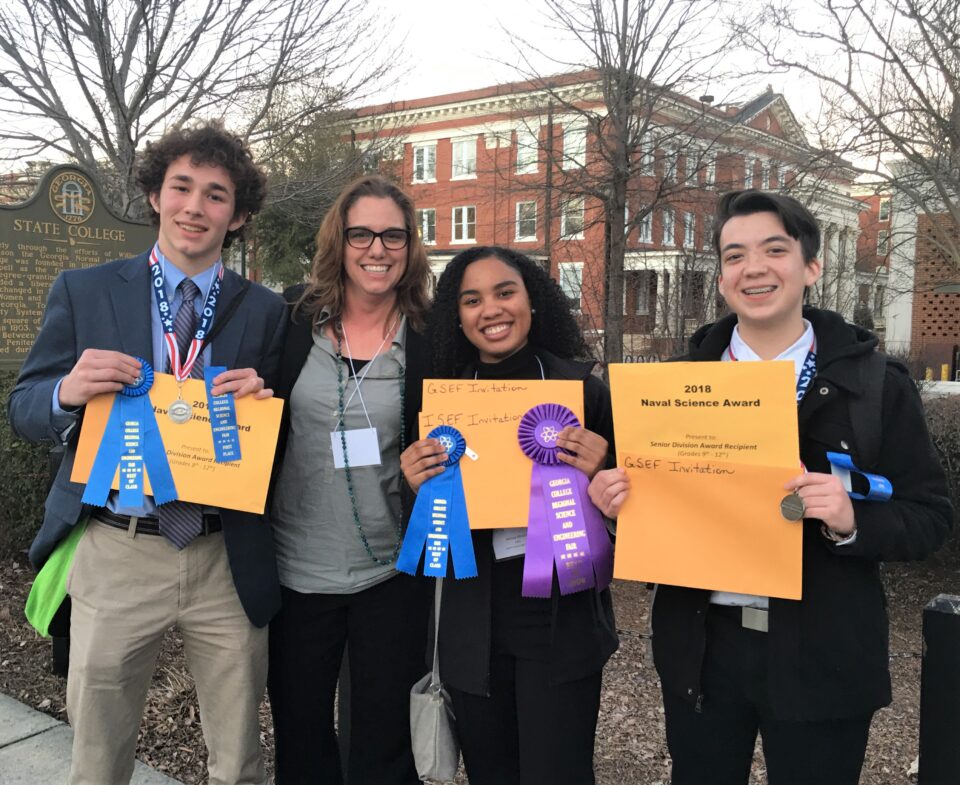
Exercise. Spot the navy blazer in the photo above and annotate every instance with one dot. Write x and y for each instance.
(108, 307)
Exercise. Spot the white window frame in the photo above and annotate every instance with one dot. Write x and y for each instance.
(429, 165)
(463, 225)
(424, 222)
(642, 307)
(690, 230)
(574, 147)
(648, 158)
(883, 209)
(463, 158)
(668, 233)
(528, 151)
(708, 165)
(645, 225)
(563, 273)
(525, 236)
(749, 165)
(883, 242)
(565, 232)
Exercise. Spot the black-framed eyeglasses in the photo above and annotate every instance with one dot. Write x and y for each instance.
(392, 239)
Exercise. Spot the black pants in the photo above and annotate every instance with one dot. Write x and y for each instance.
(715, 745)
(528, 732)
(386, 628)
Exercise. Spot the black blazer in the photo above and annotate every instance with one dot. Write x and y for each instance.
(583, 630)
(108, 307)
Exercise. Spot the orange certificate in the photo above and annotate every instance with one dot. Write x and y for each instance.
(708, 448)
(238, 485)
(496, 482)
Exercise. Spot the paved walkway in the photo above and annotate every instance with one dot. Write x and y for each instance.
(35, 749)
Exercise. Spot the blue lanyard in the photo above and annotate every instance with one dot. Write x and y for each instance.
(181, 366)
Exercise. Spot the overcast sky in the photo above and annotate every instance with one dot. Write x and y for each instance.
(450, 47)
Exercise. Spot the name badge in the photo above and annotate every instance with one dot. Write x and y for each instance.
(363, 448)
(509, 543)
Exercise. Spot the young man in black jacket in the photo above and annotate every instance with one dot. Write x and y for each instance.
(809, 674)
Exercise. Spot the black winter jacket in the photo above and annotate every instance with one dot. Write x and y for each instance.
(828, 651)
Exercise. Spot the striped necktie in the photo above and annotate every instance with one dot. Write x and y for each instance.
(180, 521)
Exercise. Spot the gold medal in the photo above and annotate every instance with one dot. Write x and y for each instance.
(792, 507)
(180, 411)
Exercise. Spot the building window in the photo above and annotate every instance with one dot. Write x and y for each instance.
(670, 160)
(878, 297)
(528, 151)
(764, 177)
(571, 283)
(427, 226)
(693, 285)
(464, 225)
(646, 228)
(883, 242)
(884, 209)
(648, 158)
(689, 230)
(464, 158)
(709, 169)
(668, 240)
(707, 232)
(526, 220)
(574, 147)
(571, 219)
(639, 292)
(425, 163)
(748, 166)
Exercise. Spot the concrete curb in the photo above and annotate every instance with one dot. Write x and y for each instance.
(35, 748)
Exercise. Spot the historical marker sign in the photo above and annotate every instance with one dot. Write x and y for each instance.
(64, 225)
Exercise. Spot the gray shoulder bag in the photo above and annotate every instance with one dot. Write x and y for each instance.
(433, 734)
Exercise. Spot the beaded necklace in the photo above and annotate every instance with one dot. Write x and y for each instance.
(341, 389)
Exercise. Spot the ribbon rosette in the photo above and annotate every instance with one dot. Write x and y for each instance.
(132, 440)
(563, 527)
(439, 520)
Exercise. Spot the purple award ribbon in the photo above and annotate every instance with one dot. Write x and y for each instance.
(563, 527)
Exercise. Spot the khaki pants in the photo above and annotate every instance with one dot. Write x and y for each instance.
(126, 592)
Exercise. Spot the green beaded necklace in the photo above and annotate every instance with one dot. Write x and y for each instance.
(341, 389)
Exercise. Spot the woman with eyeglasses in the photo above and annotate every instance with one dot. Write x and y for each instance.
(351, 373)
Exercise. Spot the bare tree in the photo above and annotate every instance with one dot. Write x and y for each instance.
(889, 72)
(91, 80)
(644, 56)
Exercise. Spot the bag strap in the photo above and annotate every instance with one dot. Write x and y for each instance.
(866, 410)
(435, 673)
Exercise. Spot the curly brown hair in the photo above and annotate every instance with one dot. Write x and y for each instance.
(206, 143)
(325, 288)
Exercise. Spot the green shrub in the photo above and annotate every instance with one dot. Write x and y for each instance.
(23, 481)
(943, 420)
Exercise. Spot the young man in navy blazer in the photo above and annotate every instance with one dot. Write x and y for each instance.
(134, 573)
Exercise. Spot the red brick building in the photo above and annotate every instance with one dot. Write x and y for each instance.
(476, 164)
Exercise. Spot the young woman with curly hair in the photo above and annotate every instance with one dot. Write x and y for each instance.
(352, 362)
(523, 673)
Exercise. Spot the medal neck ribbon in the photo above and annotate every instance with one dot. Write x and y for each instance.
(132, 440)
(181, 366)
(563, 526)
(439, 522)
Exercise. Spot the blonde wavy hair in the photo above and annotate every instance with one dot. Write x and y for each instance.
(325, 288)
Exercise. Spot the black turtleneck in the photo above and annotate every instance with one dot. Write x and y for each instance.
(522, 364)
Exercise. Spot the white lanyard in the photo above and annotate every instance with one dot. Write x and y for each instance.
(359, 379)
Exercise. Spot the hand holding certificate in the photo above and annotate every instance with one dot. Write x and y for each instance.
(708, 448)
(201, 450)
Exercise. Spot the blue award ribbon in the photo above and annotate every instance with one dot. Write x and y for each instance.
(132, 441)
(439, 520)
(880, 488)
(223, 419)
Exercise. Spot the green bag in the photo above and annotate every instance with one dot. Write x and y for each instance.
(50, 587)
